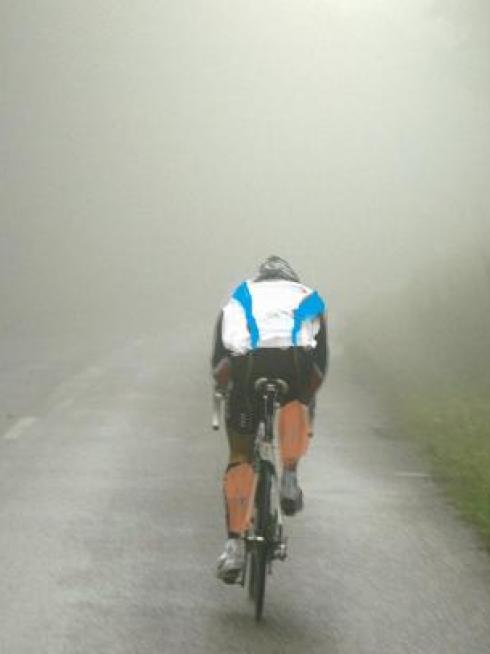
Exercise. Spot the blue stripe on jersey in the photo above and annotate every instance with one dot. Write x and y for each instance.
(311, 307)
(242, 295)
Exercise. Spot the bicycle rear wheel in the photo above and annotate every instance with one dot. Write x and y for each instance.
(260, 550)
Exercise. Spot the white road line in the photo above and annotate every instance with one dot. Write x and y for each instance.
(22, 425)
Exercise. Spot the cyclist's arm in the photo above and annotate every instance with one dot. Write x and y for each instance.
(321, 353)
(220, 359)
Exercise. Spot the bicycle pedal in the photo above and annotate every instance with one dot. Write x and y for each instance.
(281, 551)
(232, 580)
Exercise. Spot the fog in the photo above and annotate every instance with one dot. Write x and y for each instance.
(153, 152)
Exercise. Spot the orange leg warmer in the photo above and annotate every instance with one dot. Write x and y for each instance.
(239, 489)
(293, 427)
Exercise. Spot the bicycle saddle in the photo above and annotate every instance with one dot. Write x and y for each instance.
(266, 384)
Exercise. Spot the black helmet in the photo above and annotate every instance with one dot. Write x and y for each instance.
(276, 268)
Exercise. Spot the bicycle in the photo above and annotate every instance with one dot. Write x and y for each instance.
(264, 540)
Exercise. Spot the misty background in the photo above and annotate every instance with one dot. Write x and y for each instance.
(153, 152)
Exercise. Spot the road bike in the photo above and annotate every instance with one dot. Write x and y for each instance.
(265, 540)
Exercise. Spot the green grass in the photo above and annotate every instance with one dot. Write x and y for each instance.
(455, 433)
(426, 351)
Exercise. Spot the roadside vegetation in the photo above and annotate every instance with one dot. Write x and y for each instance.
(427, 350)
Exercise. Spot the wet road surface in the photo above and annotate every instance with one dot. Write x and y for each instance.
(111, 522)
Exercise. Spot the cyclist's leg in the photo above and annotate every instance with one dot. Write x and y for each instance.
(294, 415)
(238, 483)
(293, 428)
(238, 488)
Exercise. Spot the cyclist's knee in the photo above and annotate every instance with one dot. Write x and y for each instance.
(236, 458)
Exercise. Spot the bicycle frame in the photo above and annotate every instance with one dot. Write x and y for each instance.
(264, 539)
(265, 448)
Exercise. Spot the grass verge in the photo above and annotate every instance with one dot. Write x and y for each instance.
(455, 433)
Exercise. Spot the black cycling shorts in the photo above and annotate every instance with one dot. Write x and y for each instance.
(293, 364)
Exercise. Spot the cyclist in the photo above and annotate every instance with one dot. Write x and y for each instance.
(272, 326)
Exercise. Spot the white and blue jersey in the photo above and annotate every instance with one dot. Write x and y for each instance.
(271, 314)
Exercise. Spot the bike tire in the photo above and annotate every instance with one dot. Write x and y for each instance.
(260, 551)
(251, 576)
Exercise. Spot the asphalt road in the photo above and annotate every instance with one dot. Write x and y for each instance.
(111, 522)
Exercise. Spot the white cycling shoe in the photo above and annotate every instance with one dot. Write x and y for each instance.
(291, 493)
(231, 562)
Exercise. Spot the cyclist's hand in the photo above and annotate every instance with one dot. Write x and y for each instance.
(222, 376)
(316, 380)
(220, 390)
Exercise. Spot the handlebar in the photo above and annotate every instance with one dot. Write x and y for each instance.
(218, 398)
